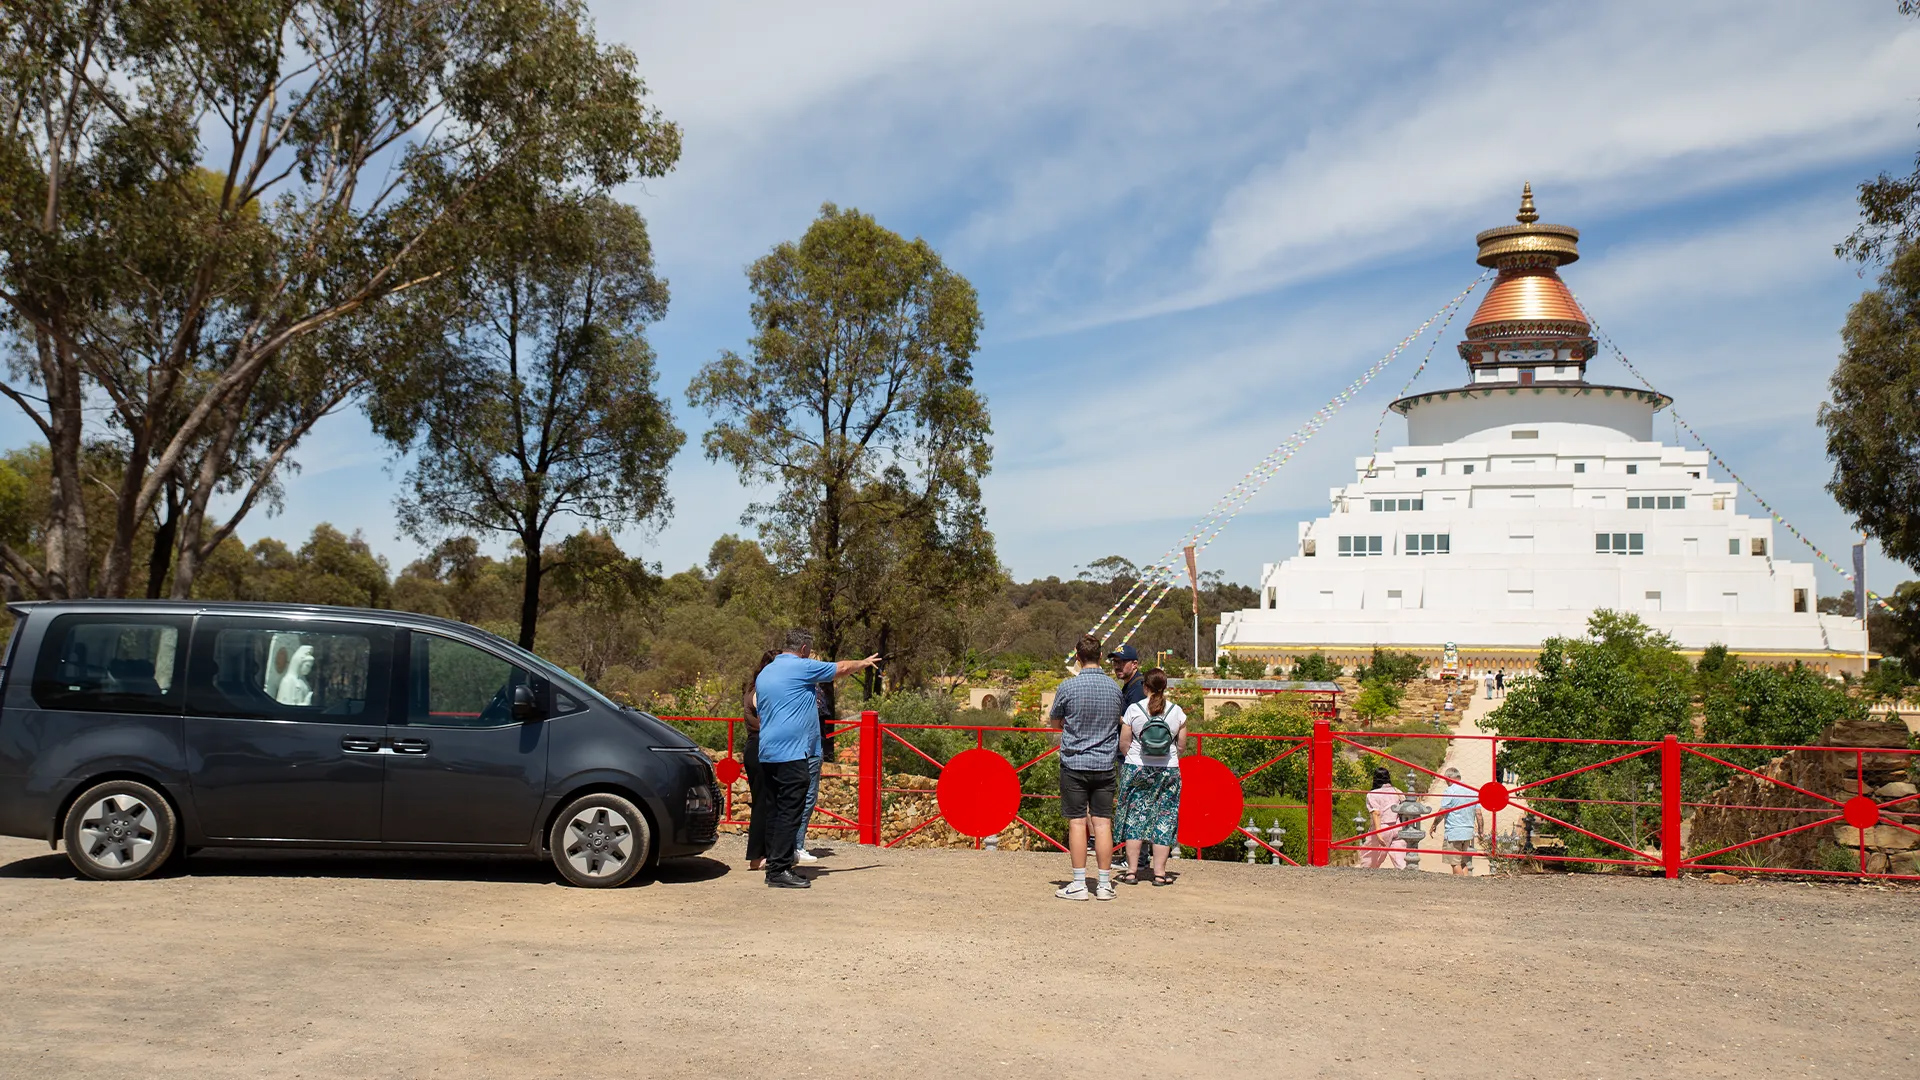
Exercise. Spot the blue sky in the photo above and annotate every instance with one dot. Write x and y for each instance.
(1191, 223)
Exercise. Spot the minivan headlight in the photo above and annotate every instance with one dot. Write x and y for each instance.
(700, 799)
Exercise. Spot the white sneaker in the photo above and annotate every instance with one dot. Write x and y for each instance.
(1073, 890)
(803, 855)
(1103, 891)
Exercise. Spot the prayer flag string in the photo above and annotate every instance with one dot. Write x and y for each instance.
(1165, 570)
(1621, 355)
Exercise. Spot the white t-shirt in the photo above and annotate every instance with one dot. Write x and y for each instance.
(1137, 717)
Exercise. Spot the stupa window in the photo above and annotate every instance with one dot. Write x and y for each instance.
(1362, 546)
(1619, 543)
(1579, 466)
(1383, 506)
(1656, 502)
(1428, 544)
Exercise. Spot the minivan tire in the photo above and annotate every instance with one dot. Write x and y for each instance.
(120, 830)
(600, 841)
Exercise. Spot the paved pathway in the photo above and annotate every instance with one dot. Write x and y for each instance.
(1474, 759)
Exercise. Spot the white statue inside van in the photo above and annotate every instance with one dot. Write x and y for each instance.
(295, 689)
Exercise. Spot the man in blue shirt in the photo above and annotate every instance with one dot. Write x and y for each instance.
(1466, 829)
(789, 735)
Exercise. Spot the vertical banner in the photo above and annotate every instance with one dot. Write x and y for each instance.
(1860, 580)
(1193, 578)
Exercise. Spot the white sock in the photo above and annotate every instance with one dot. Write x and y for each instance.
(1103, 877)
(1080, 877)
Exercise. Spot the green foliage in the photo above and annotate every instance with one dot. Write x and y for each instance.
(1315, 667)
(1772, 706)
(1379, 697)
(1873, 417)
(1398, 668)
(1624, 680)
(1889, 680)
(1229, 666)
(855, 404)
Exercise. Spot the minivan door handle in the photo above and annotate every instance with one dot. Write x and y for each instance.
(360, 744)
(411, 746)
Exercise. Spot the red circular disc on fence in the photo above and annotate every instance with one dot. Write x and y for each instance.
(1493, 796)
(978, 792)
(1861, 812)
(728, 770)
(1210, 801)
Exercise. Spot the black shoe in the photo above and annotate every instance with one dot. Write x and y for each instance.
(787, 879)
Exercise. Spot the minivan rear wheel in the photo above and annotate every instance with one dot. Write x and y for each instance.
(599, 841)
(119, 830)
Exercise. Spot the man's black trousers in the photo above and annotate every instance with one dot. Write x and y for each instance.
(787, 796)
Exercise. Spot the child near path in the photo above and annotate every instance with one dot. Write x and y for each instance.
(1150, 736)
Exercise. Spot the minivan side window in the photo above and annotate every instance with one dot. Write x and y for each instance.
(289, 669)
(111, 663)
(454, 684)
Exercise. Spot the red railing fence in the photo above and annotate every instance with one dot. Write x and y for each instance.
(1865, 825)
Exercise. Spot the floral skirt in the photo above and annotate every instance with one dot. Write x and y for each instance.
(1149, 807)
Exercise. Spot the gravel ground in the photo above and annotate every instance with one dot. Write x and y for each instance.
(953, 962)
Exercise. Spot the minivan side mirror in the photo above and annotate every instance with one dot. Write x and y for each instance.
(523, 705)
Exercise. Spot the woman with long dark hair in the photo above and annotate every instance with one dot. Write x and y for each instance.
(1150, 736)
(756, 777)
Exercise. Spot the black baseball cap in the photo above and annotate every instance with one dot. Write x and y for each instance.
(1124, 653)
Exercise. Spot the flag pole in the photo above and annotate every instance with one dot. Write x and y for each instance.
(1193, 579)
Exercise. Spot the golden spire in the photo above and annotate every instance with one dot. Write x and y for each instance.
(1528, 242)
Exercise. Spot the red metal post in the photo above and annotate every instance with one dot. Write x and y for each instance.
(1670, 852)
(1320, 793)
(869, 799)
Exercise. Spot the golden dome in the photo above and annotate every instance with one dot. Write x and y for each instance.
(1529, 242)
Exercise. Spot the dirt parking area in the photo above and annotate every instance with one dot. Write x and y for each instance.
(940, 963)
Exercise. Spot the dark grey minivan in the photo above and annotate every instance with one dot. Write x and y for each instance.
(132, 729)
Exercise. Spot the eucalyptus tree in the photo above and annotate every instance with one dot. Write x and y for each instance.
(213, 218)
(855, 404)
(539, 400)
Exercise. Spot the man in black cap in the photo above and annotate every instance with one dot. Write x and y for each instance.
(1133, 687)
(1126, 672)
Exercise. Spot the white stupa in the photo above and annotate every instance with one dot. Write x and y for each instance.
(1525, 500)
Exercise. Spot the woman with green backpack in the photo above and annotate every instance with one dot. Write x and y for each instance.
(1150, 736)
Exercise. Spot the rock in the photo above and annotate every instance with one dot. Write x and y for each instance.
(1907, 862)
(1882, 837)
(1723, 877)
(1898, 790)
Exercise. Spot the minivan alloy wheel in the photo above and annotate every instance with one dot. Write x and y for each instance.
(600, 843)
(117, 831)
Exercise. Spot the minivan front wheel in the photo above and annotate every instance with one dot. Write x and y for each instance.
(599, 841)
(119, 830)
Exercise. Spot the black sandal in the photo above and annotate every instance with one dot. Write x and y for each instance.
(1162, 879)
(1129, 878)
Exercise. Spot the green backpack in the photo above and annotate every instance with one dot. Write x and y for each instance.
(1157, 737)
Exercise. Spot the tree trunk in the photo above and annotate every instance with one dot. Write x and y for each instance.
(116, 577)
(530, 593)
(68, 562)
(162, 556)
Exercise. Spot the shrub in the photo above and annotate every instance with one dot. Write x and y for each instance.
(1315, 667)
(1396, 668)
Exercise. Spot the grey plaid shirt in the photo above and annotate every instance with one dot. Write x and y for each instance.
(1087, 708)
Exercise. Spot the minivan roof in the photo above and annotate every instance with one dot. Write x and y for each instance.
(246, 607)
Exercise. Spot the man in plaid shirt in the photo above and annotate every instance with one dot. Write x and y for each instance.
(1087, 709)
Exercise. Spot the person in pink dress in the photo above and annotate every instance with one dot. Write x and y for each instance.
(1382, 815)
